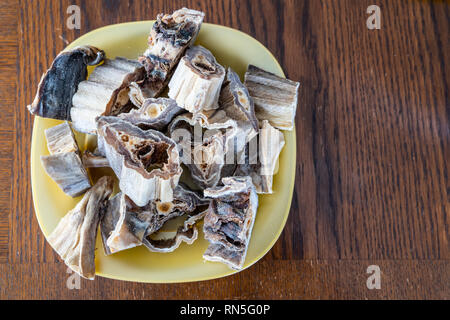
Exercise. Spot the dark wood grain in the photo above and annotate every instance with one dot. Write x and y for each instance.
(373, 145)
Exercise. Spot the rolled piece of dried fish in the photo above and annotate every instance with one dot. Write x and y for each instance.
(60, 82)
(170, 36)
(275, 98)
(229, 220)
(197, 80)
(105, 92)
(126, 225)
(262, 170)
(187, 233)
(154, 114)
(64, 164)
(147, 163)
(236, 101)
(74, 236)
(204, 146)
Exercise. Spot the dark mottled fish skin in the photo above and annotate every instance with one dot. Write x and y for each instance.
(59, 84)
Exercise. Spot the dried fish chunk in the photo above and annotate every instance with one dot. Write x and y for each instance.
(275, 98)
(121, 229)
(146, 162)
(126, 225)
(74, 236)
(153, 114)
(204, 145)
(60, 82)
(229, 220)
(64, 164)
(235, 100)
(104, 93)
(67, 170)
(197, 80)
(271, 142)
(170, 36)
(60, 139)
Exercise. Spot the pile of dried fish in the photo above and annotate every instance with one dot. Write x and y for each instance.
(205, 151)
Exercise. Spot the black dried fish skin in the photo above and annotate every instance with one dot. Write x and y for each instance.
(60, 82)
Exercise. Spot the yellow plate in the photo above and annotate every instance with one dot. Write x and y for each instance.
(231, 48)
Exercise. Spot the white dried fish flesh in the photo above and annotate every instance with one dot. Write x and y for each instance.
(271, 142)
(104, 93)
(197, 80)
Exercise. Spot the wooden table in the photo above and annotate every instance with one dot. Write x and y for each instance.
(373, 145)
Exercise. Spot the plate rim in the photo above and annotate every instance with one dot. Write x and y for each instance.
(191, 279)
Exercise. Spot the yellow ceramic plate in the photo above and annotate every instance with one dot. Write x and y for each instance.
(231, 48)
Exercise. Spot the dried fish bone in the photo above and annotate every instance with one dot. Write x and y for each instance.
(74, 236)
(170, 36)
(92, 160)
(60, 82)
(197, 80)
(229, 220)
(275, 98)
(64, 164)
(105, 92)
(146, 162)
(154, 114)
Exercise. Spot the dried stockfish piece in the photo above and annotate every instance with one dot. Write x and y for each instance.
(229, 220)
(275, 98)
(236, 101)
(146, 162)
(67, 170)
(92, 160)
(197, 80)
(60, 139)
(60, 82)
(64, 164)
(262, 170)
(105, 92)
(187, 233)
(126, 225)
(74, 236)
(121, 229)
(204, 146)
(154, 114)
(170, 36)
